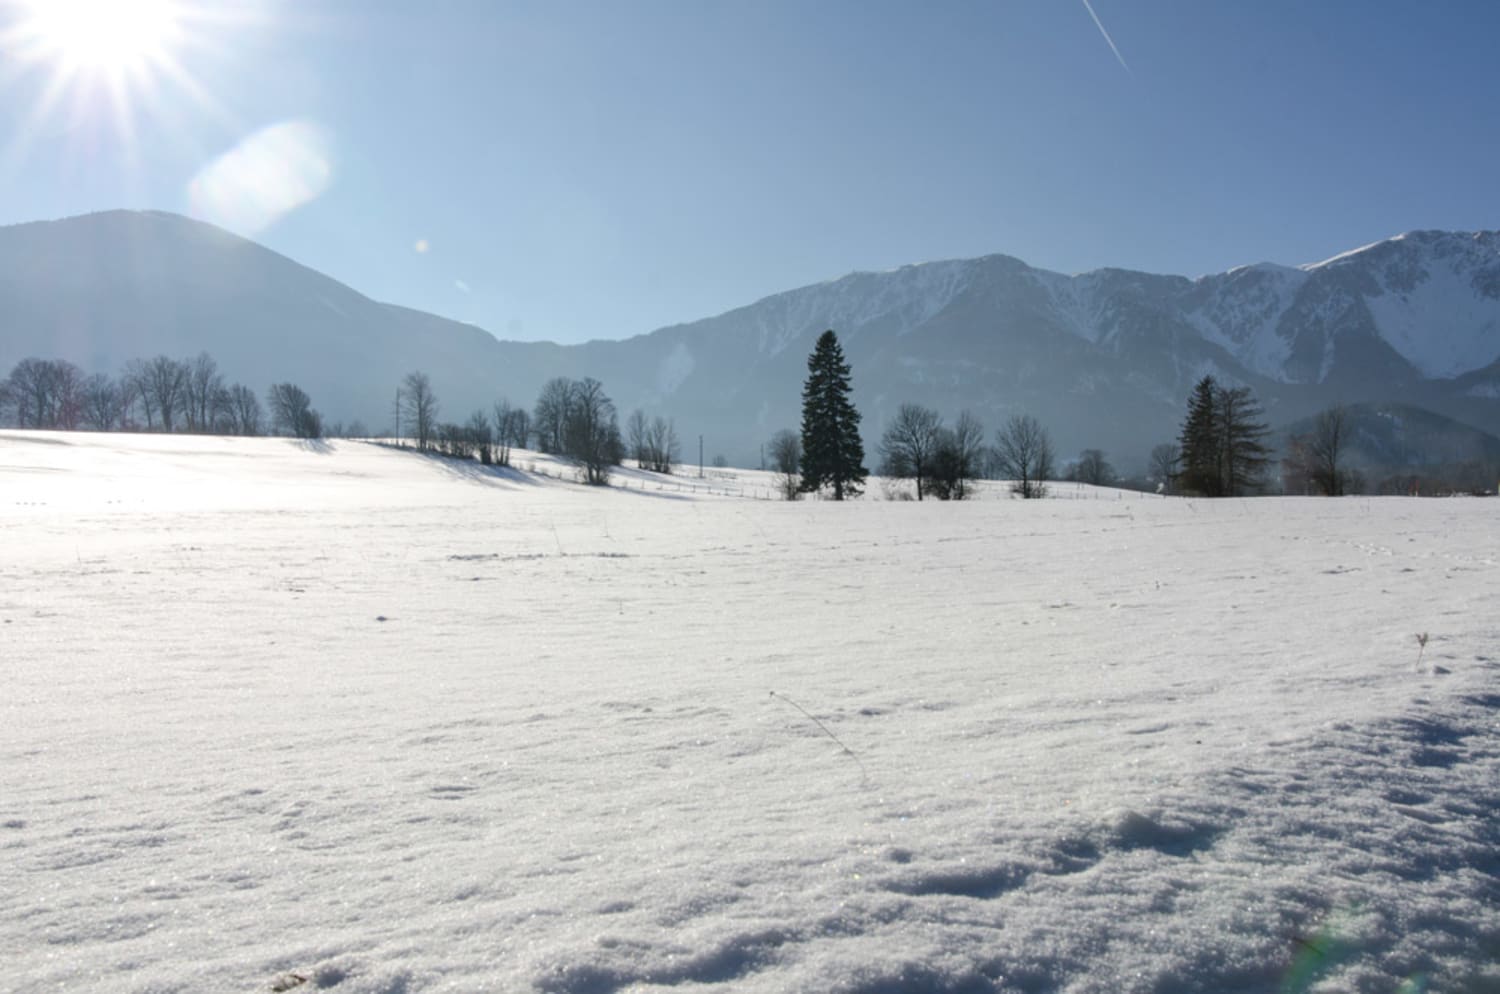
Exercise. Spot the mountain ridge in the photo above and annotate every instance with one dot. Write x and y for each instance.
(1105, 356)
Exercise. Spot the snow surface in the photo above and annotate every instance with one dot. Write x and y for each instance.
(909, 296)
(1429, 301)
(1424, 324)
(393, 724)
(1244, 317)
(1350, 254)
(1076, 299)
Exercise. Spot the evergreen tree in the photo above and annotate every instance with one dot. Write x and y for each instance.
(1199, 442)
(1222, 442)
(832, 453)
(1243, 453)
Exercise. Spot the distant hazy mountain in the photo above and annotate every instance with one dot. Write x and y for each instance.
(105, 288)
(1386, 439)
(1105, 359)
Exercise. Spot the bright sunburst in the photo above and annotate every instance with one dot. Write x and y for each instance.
(107, 37)
(98, 64)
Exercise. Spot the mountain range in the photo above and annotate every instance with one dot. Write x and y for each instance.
(1104, 359)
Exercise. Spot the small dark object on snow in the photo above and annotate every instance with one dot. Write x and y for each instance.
(381, 617)
(287, 981)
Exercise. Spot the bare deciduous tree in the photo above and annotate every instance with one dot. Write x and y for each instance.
(653, 444)
(242, 411)
(638, 437)
(28, 391)
(419, 405)
(452, 440)
(505, 430)
(1319, 455)
(481, 436)
(133, 386)
(786, 461)
(162, 386)
(909, 443)
(957, 457)
(292, 412)
(665, 449)
(1092, 468)
(1023, 454)
(1164, 458)
(591, 433)
(520, 427)
(103, 403)
(202, 385)
(46, 393)
(553, 409)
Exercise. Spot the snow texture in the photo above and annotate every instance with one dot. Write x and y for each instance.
(341, 718)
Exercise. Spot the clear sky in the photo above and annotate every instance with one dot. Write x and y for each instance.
(567, 170)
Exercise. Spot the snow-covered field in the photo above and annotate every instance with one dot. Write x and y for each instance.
(272, 711)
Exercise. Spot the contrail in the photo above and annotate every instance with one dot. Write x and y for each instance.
(1100, 25)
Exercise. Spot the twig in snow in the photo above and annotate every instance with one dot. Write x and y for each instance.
(826, 731)
(1421, 638)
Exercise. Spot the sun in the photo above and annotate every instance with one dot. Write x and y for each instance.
(89, 68)
(100, 37)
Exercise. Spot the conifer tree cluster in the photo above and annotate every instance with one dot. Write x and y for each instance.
(832, 453)
(1223, 453)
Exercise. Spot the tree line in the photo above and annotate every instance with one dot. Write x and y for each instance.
(161, 394)
(1220, 450)
(943, 461)
(575, 419)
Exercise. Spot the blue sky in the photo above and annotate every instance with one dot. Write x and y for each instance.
(562, 170)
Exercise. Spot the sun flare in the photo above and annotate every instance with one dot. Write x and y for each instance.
(93, 69)
(101, 36)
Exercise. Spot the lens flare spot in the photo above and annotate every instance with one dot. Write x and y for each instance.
(263, 178)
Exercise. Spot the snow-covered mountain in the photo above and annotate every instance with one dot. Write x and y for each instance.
(1105, 358)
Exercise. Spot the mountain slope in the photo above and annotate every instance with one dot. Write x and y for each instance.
(106, 288)
(1390, 445)
(1105, 358)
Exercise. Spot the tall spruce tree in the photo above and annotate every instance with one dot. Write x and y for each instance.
(1242, 433)
(1199, 442)
(832, 453)
(1222, 442)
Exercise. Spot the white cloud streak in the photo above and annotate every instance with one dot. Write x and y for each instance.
(1100, 25)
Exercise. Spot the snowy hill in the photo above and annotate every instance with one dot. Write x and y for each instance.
(1105, 358)
(352, 715)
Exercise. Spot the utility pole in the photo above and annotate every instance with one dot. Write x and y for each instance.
(397, 410)
(700, 457)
